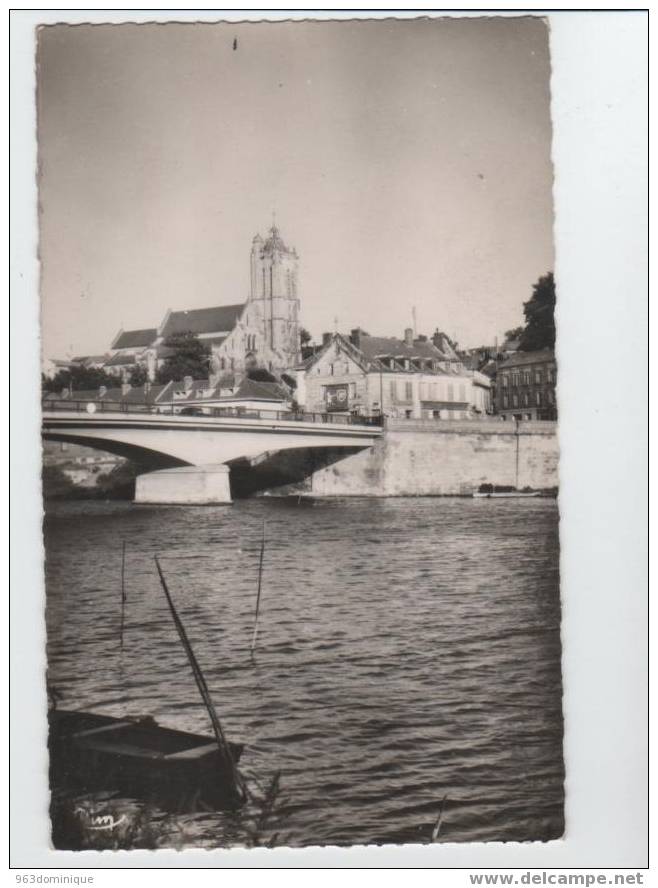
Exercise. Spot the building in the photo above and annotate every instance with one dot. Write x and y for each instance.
(81, 465)
(232, 392)
(525, 386)
(407, 378)
(262, 331)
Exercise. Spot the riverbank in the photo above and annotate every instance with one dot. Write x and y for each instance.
(424, 458)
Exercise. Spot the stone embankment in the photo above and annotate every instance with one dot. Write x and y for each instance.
(434, 458)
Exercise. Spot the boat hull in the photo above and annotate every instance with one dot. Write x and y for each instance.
(137, 757)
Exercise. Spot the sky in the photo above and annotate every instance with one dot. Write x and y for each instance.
(409, 163)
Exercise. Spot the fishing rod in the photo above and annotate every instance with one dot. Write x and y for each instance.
(222, 744)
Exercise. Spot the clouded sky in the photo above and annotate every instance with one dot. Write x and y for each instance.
(407, 161)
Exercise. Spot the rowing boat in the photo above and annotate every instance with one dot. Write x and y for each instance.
(139, 757)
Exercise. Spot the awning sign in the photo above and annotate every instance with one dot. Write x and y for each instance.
(336, 397)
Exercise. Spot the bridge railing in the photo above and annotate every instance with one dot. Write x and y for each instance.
(89, 406)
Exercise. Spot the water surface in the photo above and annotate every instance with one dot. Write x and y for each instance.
(408, 650)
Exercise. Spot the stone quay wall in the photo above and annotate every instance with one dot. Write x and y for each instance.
(434, 458)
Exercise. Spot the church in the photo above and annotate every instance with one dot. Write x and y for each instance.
(261, 332)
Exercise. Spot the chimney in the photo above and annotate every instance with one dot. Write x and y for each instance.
(409, 336)
(102, 391)
(187, 382)
(326, 337)
(125, 388)
(355, 337)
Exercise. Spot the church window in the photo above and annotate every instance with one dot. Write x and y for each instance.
(393, 391)
(462, 392)
(451, 392)
(538, 398)
(505, 400)
(408, 391)
(222, 364)
(331, 369)
(537, 377)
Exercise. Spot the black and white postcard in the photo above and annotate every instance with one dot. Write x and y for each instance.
(301, 404)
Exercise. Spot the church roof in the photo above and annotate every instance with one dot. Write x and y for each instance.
(218, 319)
(134, 338)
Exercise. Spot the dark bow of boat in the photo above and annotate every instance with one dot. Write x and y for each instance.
(177, 770)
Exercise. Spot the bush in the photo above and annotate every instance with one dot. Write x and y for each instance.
(56, 483)
(119, 483)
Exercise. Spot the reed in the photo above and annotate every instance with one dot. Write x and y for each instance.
(123, 591)
(439, 819)
(238, 784)
(260, 582)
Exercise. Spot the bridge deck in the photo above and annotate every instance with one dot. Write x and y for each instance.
(99, 410)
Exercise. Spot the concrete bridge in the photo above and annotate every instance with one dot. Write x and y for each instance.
(188, 458)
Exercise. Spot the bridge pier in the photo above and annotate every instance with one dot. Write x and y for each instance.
(189, 485)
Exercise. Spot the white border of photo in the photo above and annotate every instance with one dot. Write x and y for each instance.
(599, 100)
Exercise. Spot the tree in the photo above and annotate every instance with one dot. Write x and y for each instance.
(56, 483)
(304, 336)
(119, 482)
(191, 357)
(78, 379)
(539, 312)
(139, 376)
(260, 374)
(514, 333)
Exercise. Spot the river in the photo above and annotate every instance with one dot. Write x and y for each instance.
(408, 652)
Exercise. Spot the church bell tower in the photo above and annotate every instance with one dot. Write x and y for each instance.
(274, 296)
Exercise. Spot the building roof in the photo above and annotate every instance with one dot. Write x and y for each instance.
(138, 394)
(120, 360)
(522, 358)
(392, 347)
(218, 319)
(256, 390)
(135, 338)
(374, 350)
(88, 360)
